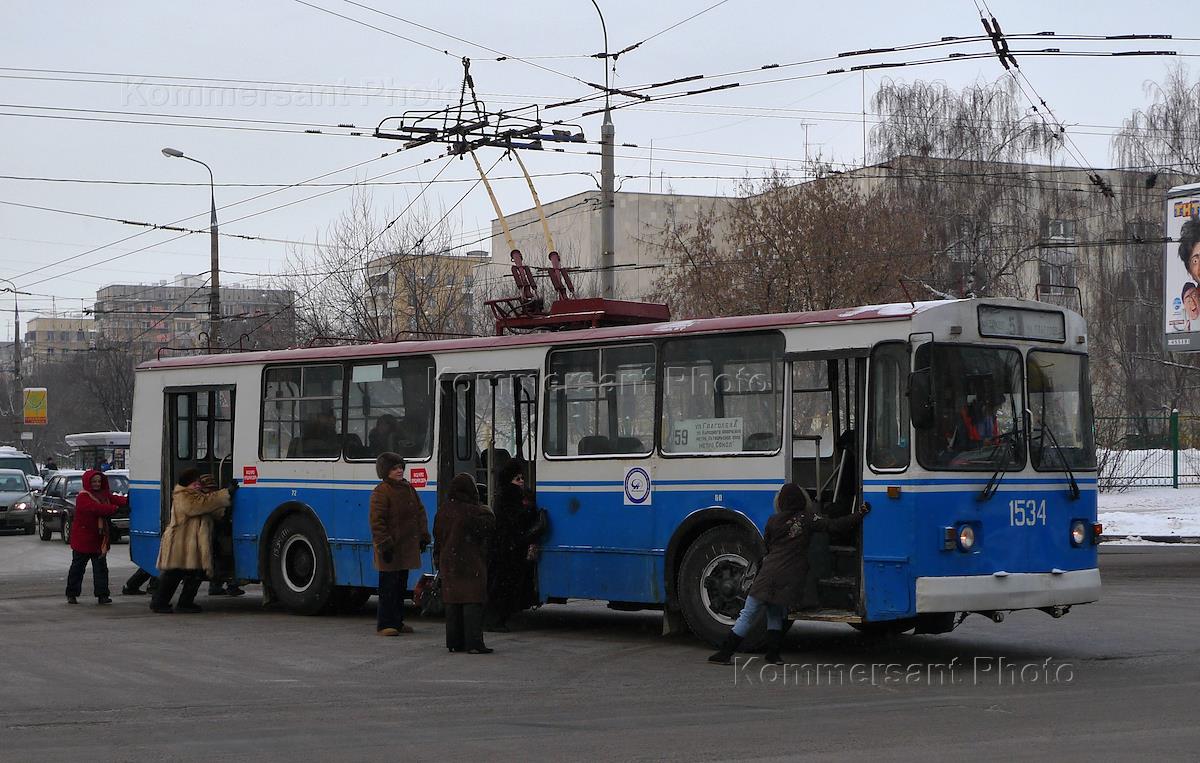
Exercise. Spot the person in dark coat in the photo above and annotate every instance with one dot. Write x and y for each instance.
(89, 536)
(779, 584)
(461, 531)
(519, 528)
(400, 534)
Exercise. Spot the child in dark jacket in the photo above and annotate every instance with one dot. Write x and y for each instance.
(779, 584)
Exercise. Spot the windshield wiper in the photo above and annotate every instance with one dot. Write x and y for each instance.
(993, 484)
(1074, 486)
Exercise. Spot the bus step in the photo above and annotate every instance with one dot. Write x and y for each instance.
(845, 560)
(827, 615)
(838, 592)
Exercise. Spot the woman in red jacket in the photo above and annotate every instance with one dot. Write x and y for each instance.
(89, 536)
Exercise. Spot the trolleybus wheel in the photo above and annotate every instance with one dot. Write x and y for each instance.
(300, 565)
(709, 584)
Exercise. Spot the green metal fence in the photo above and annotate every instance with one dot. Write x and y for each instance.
(1148, 451)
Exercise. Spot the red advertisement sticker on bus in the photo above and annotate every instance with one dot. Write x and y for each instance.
(249, 475)
(418, 477)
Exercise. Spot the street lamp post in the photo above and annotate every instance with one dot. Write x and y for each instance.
(214, 294)
(608, 134)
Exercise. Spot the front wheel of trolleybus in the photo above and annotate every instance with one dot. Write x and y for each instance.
(300, 566)
(709, 589)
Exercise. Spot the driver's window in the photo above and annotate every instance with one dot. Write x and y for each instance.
(74, 486)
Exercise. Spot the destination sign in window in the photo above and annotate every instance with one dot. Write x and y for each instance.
(1020, 323)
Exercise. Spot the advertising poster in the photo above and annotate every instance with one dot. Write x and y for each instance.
(1181, 270)
(35, 406)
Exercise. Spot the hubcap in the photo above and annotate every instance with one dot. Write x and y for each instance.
(299, 563)
(720, 587)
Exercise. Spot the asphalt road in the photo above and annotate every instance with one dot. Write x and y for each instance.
(582, 682)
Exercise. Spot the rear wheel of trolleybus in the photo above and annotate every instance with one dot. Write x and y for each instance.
(709, 584)
(300, 565)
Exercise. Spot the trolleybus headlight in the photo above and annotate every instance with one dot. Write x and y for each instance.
(1078, 532)
(966, 537)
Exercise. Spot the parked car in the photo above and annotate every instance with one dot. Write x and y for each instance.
(11, 458)
(56, 511)
(16, 501)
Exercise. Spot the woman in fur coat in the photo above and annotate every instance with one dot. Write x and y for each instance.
(185, 553)
(400, 534)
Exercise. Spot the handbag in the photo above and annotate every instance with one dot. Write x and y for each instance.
(748, 576)
(427, 594)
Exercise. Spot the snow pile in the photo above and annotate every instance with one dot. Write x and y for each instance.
(1151, 512)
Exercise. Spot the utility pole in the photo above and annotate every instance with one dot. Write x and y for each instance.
(608, 134)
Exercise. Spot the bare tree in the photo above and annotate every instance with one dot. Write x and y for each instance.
(965, 156)
(370, 279)
(785, 247)
(1165, 135)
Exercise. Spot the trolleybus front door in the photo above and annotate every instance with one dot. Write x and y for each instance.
(487, 421)
(826, 401)
(201, 436)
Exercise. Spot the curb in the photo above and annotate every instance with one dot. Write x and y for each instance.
(1154, 538)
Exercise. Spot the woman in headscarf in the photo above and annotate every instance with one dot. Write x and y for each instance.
(89, 536)
(461, 531)
(779, 584)
(519, 527)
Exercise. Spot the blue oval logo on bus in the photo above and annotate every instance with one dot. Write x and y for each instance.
(637, 487)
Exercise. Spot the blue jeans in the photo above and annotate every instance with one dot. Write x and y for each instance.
(391, 599)
(750, 612)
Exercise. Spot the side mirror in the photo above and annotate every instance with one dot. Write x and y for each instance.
(920, 399)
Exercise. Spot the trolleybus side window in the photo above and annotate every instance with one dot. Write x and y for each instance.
(812, 409)
(601, 401)
(1061, 429)
(723, 394)
(888, 446)
(977, 401)
(302, 412)
(390, 408)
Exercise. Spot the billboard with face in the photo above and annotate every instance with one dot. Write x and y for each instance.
(1181, 271)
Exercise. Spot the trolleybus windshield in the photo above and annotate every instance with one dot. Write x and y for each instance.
(1062, 417)
(977, 405)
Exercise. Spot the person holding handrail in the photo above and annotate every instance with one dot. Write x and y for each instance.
(780, 582)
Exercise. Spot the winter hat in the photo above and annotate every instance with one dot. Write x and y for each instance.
(463, 489)
(792, 498)
(386, 462)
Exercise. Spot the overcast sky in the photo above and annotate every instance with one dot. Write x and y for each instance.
(145, 51)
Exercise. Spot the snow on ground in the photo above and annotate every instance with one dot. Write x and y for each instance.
(1145, 512)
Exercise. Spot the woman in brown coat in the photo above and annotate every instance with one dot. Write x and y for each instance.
(779, 584)
(461, 531)
(400, 533)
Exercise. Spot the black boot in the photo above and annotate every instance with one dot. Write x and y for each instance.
(774, 641)
(724, 654)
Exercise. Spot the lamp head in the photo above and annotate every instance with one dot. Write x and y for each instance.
(172, 152)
